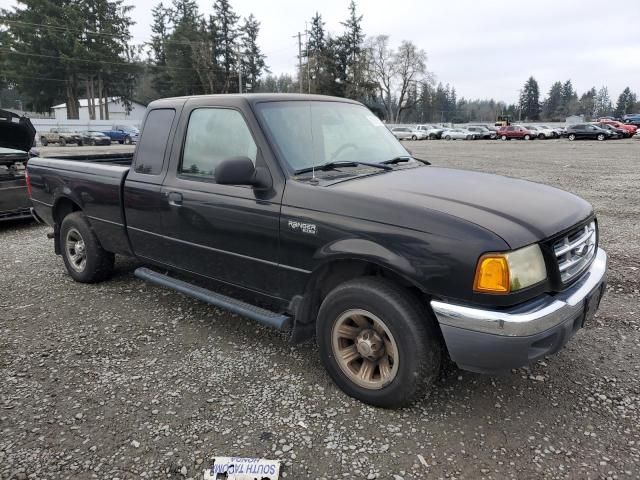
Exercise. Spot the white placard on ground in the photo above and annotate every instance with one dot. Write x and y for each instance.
(238, 468)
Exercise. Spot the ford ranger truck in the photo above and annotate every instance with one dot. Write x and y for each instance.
(305, 213)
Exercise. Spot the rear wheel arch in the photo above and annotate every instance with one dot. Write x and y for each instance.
(62, 207)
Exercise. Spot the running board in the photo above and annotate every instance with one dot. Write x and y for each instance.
(260, 315)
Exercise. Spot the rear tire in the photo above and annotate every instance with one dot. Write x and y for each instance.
(448, 137)
(527, 137)
(127, 140)
(600, 137)
(541, 136)
(84, 257)
(413, 137)
(63, 142)
(503, 137)
(378, 342)
(44, 141)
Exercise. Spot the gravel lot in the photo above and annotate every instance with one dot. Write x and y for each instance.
(127, 380)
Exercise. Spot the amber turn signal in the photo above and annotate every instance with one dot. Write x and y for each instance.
(492, 274)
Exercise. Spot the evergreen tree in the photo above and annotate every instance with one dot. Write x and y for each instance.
(586, 104)
(181, 50)
(530, 100)
(253, 60)
(626, 103)
(553, 103)
(63, 50)
(226, 33)
(351, 42)
(161, 29)
(315, 54)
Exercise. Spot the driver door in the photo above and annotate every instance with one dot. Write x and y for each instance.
(225, 232)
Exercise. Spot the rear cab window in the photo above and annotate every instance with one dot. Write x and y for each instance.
(152, 145)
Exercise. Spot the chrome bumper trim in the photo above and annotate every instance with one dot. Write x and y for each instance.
(530, 319)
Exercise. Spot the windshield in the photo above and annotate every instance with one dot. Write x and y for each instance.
(314, 133)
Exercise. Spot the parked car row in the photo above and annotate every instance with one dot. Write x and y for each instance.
(122, 134)
(602, 129)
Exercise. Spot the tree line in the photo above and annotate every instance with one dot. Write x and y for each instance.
(562, 101)
(66, 50)
(62, 50)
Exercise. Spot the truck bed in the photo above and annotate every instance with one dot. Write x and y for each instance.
(93, 183)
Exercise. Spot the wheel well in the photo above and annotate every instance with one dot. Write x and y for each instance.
(329, 276)
(62, 208)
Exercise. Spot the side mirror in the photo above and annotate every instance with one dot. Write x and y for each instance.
(241, 171)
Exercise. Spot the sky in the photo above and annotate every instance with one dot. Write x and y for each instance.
(485, 48)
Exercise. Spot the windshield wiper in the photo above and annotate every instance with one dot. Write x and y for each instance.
(342, 163)
(405, 158)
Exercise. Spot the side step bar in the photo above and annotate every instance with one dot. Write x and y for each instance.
(260, 315)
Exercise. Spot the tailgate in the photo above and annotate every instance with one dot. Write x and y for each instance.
(13, 197)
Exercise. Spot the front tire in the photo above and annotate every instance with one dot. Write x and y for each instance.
(527, 137)
(571, 137)
(84, 257)
(63, 142)
(127, 140)
(503, 138)
(448, 137)
(44, 141)
(413, 137)
(600, 137)
(378, 342)
(541, 136)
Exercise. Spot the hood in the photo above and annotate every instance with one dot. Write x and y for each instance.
(16, 132)
(519, 211)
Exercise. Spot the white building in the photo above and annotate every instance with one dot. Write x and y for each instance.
(117, 110)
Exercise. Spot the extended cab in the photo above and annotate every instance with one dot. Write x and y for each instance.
(310, 215)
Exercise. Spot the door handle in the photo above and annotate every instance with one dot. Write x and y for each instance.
(175, 199)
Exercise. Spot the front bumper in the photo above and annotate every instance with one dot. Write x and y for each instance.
(489, 341)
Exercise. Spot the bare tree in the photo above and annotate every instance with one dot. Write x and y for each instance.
(409, 67)
(381, 70)
(396, 74)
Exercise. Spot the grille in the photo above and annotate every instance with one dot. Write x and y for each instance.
(575, 251)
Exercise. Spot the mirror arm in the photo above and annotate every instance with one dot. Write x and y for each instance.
(262, 179)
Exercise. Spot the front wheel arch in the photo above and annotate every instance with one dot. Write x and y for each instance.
(334, 272)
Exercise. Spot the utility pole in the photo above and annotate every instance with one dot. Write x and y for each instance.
(300, 61)
(239, 70)
(306, 39)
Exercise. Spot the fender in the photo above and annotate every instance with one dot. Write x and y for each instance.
(367, 251)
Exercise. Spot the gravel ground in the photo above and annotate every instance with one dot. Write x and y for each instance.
(127, 380)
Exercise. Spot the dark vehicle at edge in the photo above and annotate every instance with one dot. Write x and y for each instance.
(17, 136)
(93, 138)
(587, 131)
(616, 132)
(304, 212)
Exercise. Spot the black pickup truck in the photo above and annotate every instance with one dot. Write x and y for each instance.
(305, 213)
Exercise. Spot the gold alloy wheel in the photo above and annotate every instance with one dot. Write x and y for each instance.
(364, 348)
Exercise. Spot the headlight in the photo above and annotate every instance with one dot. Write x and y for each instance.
(511, 271)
